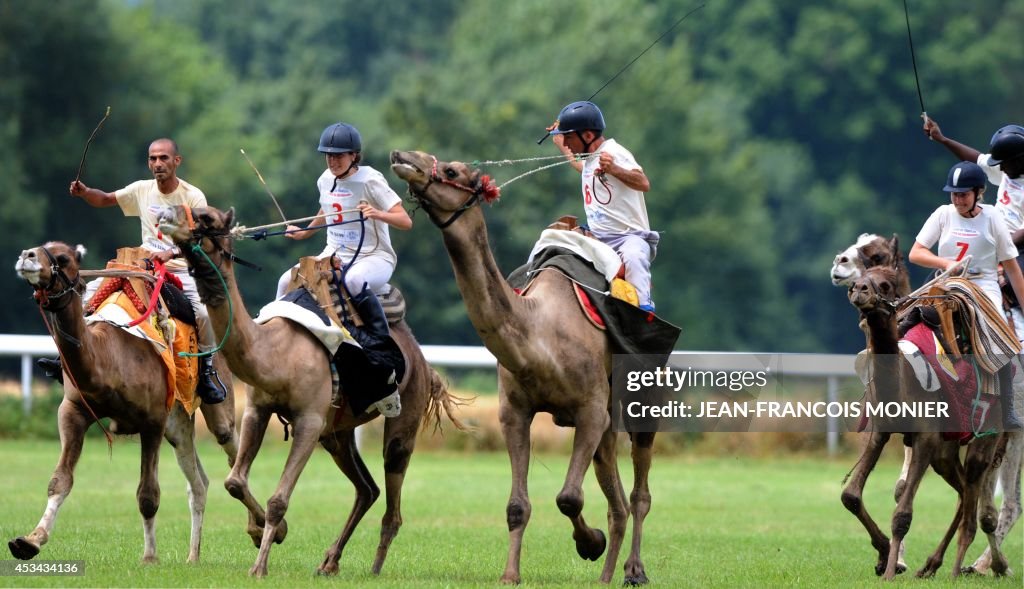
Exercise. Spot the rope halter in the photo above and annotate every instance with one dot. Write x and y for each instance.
(483, 189)
(53, 300)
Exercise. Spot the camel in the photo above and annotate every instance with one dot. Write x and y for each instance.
(849, 265)
(874, 295)
(288, 371)
(110, 373)
(550, 359)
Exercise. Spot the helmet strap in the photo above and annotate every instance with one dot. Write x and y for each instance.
(586, 144)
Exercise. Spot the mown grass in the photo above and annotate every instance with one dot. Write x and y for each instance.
(715, 522)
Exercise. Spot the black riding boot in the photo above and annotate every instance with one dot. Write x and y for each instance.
(52, 368)
(209, 388)
(1011, 422)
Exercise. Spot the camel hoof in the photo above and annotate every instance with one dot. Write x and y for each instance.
(22, 549)
(323, 571)
(150, 560)
(258, 572)
(900, 568)
(970, 570)
(635, 580)
(591, 545)
(509, 579)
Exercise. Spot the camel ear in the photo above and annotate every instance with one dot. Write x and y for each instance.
(894, 247)
(80, 252)
(229, 217)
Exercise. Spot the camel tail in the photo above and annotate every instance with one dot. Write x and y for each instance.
(442, 398)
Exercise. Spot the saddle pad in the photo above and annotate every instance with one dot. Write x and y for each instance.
(331, 336)
(602, 256)
(588, 307)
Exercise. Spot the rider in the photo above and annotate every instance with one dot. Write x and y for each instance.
(614, 186)
(967, 227)
(136, 200)
(346, 189)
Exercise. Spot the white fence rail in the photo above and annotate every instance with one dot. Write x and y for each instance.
(829, 366)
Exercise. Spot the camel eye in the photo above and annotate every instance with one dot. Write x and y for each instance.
(885, 288)
(451, 174)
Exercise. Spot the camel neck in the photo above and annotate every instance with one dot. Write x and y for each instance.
(493, 308)
(75, 342)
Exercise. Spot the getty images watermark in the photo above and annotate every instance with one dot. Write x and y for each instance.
(708, 392)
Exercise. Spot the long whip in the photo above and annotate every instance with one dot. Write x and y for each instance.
(81, 164)
(264, 183)
(625, 67)
(913, 60)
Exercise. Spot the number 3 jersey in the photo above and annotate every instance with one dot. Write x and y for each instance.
(984, 237)
(611, 206)
(339, 200)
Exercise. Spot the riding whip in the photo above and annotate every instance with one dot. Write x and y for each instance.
(625, 67)
(264, 183)
(81, 164)
(913, 60)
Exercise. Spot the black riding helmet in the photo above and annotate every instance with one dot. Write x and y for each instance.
(340, 138)
(1006, 144)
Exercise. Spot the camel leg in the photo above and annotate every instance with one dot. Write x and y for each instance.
(72, 425)
(947, 464)
(148, 493)
(180, 433)
(220, 420)
(606, 469)
(924, 447)
(399, 443)
(852, 496)
(976, 464)
(306, 430)
(642, 451)
(1010, 475)
(342, 447)
(989, 521)
(977, 460)
(254, 427)
(591, 424)
(515, 427)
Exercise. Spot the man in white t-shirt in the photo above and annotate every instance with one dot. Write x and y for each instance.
(614, 187)
(136, 200)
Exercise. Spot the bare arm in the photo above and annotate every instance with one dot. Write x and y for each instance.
(923, 256)
(1012, 272)
(308, 232)
(576, 163)
(635, 179)
(396, 216)
(961, 151)
(94, 196)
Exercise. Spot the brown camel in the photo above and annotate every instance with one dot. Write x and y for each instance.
(551, 359)
(893, 380)
(110, 373)
(849, 265)
(289, 374)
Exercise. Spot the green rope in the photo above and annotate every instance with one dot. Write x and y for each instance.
(231, 311)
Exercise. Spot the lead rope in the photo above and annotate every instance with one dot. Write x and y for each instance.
(231, 310)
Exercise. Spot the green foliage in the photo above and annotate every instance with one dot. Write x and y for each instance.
(773, 131)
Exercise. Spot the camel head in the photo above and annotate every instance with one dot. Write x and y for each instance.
(444, 189)
(869, 250)
(210, 229)
(52, 270)
(875, 290)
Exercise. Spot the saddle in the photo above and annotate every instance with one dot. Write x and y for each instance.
(620, 288)
(122, 300)
(367, 372)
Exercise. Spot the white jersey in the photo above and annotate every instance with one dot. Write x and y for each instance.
(984, 237)
(611, 206)
(136, 199)
(1010, 198)
(344, 195)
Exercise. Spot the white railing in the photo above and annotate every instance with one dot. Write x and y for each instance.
(830, 366)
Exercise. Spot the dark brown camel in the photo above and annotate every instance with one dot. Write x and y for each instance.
(289, 374)
(110, 373)
(551, 359)
(874, 295)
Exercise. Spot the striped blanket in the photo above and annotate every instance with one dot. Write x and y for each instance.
(991, 340)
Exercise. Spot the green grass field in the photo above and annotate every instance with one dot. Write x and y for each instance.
(715, 522)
